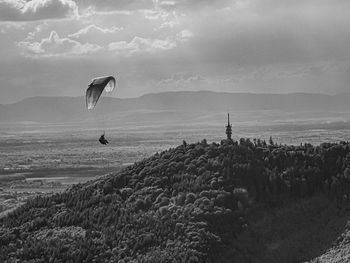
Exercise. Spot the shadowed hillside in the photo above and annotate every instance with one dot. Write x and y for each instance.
(240, 201)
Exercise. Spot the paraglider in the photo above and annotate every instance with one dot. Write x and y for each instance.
(93, 93)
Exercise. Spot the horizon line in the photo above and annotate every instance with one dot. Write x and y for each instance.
(185, 91)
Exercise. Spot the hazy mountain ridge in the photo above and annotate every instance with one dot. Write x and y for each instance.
(66, 109)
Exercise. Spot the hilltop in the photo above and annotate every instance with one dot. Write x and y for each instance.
(245, 201)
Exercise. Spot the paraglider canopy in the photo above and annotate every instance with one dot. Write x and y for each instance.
(96, 87)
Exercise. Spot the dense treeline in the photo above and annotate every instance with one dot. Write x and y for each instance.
(181, 205)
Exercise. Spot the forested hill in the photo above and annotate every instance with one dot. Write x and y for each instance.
(240, 201)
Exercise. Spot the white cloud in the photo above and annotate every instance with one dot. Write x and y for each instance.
(188, 5)
(37, 30)
(182, 77)
(7, 27)
(21, 10)
(113, 5)
(139, 44)
(93, 29)
(95, 34)
(184, 35)
(54, 46)
(98, 35)
(183, 81)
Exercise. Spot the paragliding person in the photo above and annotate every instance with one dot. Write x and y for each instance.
(94, 91)
(103, 140)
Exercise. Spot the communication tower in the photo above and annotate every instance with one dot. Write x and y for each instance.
(228, 127)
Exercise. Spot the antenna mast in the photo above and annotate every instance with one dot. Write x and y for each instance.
(228, 127)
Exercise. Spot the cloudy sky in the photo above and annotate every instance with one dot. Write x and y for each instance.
(55, 47)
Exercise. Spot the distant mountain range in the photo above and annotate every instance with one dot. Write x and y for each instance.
(174, 105)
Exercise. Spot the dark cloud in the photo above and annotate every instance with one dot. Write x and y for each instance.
(20, 10)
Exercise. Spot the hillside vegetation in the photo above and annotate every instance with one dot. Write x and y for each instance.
(245, 201)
